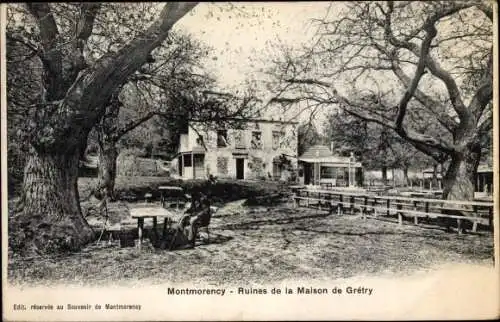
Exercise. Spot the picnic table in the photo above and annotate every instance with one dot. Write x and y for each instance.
(140, 213)
(171, 193)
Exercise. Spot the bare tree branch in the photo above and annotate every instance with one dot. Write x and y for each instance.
(410, 91)
(430, 63)
(86, 23)
(131, 125)
(428, 102)
(484, 92)
(424, 143)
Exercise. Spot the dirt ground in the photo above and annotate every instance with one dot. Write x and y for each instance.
(256, 245)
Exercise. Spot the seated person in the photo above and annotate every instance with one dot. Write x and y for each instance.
(195, 216)
(191, 208)
(199, 218)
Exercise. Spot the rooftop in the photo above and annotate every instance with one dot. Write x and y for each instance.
(254, 120)
(317, 151)
(323, 154)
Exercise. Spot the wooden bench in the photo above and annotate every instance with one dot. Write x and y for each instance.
(402, 206)
(400, 211)
(329, 204)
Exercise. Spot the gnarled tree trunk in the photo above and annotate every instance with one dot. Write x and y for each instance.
(434, 180)
(51, 219)
(458, 182)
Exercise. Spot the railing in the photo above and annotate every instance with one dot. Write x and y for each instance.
(371, 205)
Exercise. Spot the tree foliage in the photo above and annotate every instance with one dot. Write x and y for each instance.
(84, 49)
(374, 145)
(308, 135)
(421, 69)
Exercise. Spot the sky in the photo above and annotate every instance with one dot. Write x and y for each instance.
(245, 35)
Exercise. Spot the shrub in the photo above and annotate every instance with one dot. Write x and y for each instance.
(134, 188)
(130, 165)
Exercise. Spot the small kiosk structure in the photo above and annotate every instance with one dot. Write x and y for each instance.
(319, 166)
(484, 179)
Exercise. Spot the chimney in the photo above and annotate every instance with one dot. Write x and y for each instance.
(331, 146)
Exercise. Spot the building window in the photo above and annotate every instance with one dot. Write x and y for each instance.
(198, 160)
(341, 174)
(285, 142)
(256, 140)
(239, 140)
(278, 139)
(200, 140)
(222, 139)
(222, 165)
(328, 173)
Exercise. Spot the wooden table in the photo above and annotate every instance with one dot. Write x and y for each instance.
(140, 213)
(171, 192)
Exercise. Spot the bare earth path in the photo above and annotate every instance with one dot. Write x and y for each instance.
(259, 245)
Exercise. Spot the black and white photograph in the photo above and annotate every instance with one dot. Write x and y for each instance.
(249, 160)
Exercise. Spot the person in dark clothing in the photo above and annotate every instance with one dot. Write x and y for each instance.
(200, 218)
(195, 216)
(194, 203)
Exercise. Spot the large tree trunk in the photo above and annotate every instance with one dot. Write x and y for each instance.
(384, 175)
(109, 133)
(458, 183)
(50, 219)
(108, 154)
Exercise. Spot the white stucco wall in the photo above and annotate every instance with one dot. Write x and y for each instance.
(267, 153)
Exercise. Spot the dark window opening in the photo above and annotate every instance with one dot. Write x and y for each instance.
(187, 160)
(222, 139)
(256, 140)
